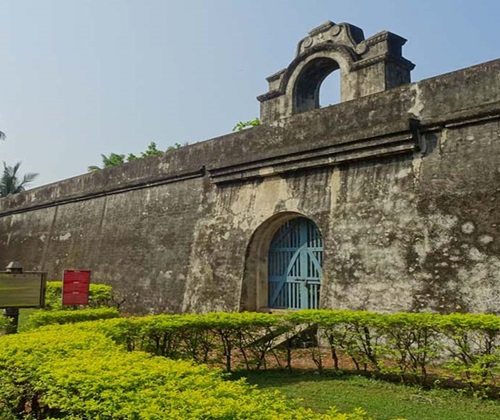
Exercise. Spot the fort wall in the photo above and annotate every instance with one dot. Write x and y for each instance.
(404, 186)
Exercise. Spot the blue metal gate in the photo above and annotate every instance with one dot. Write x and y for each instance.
(295, 260)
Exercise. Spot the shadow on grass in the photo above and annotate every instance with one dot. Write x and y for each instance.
(270, 378)
(273, 377)
(383, 400)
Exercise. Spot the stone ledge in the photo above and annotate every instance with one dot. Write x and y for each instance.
(107, 192)
(442, 102)
(364, 148)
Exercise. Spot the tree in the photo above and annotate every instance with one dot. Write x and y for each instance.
(115, 159)
(2, 135)
(10, 183)
(150, 151)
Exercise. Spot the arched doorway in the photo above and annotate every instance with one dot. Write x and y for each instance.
(295, 265)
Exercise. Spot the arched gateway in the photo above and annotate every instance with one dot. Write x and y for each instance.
(283, 268)
(294, 265)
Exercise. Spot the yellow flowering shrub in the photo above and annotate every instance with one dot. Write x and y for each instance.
(68, 372)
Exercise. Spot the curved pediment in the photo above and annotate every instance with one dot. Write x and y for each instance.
(366, 66)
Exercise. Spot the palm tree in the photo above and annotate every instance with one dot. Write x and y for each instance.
(2, 135)
(10, 183)
(113, 159)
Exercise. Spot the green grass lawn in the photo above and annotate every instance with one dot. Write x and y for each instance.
(23, 317)
(382, 400)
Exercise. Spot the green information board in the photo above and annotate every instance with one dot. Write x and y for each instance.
(22, 290)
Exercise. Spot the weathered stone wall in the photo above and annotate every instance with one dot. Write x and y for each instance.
(404, 186)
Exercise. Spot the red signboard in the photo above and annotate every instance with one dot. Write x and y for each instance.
(75, 290)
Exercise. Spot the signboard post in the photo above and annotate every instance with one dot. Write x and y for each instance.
(75, 290)
(20, 290)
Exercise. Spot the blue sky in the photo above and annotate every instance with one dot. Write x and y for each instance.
(83, 77)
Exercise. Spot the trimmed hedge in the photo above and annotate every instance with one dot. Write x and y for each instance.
(209, 338)
(41, 318)
(67, 372)
(464, 346)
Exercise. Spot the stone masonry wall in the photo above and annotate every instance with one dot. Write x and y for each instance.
(404, 186)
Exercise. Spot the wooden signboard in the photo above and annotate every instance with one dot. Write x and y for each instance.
(75, 290)
(22, 290)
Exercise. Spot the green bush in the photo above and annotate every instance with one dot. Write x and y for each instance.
(100, 301)
(40, 318)
(67, 372)
(206, 338)
(464, 346)
(408, 344)
(353, 333)
(473, 344)
(99, 295)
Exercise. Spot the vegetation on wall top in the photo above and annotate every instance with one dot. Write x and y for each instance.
(11, 182)
(115, 159)
(242, 125)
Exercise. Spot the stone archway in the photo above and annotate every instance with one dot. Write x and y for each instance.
(308, 83)
(256, 287)
(366, 66)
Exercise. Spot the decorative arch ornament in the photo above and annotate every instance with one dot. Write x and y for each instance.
(366, 66)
